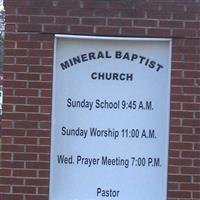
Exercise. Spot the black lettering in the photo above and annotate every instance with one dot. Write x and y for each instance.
(91, 56)
(118, 54)
(100, 55)
(94, 75)
(65, 65)
(84, 57)
(159, 67)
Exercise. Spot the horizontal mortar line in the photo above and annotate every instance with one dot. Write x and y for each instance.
(142, 36)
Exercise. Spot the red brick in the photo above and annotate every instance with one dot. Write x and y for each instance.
(4, 189)
(16, 37)
(15, 116)
(40, 69)
(119, 22)
(25, 140)
(25, 156)
(196, 179)
(41, 19)
(9, 44)
(6, 140)
(196, 195)
(23, 189)
(180, 162)
(5, 172)
(81, 29)
(26, 92)
(36, 133)
(41, 37)
(43, 190)
(12, 148)
(196, 163)
(6, 156)
(15, 84)
(26, 124)
(171, 24)
(15, 2)
(107, 30)
(191, 90)
(40, 85)
(172, 186)
(55, 12)
(191, 74)
(181, 32)
(46, 93)
(14, 132)
(45, 109)
(24, 173)
(28, 60)
(182, 145)
(93, 21)
(18, 68)
(44, 157)
(11, 197)
(37, 149)
(95, 5)
(158, 32)
(13, 164)
(44, 173)
(16, 19)
(189, 106)
(36, 182)
(55, 29)
(46, 77)
(29, 28)
(173, 170)
(184, 16)
(44, 141)
(67, 20)
(69, 4)
(179, 178)
(183, 82)
(132, 13)
(145, 23)
(10, 28)
(183, 98)
(28, 11)
(107, 13)
(9, 180)
(36, 197)
(43, 52)
(23, 76)
(181, 114)
(40, 117)
(47, 45)
(133, 31)
(191, 138)
(190, 170)
(28, 44)
(37, 165)
(191, 122)
(158, 15)
(179, 194)
(27, 108)
(81, 12)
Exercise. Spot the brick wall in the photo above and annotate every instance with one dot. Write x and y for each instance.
(30, 28)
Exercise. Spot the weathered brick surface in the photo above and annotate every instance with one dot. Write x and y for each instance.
(28, 79)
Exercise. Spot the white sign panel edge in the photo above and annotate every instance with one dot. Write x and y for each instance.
(100, 38)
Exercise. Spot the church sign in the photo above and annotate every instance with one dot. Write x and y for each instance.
(110, 118)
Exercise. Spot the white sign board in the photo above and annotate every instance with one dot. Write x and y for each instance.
(110, 118)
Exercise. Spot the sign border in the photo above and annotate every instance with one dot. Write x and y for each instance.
(121, 38)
